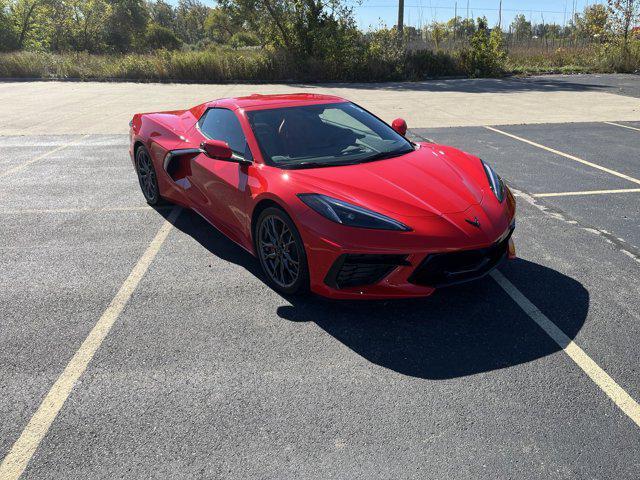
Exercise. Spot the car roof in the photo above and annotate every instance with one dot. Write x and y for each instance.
(275, 101)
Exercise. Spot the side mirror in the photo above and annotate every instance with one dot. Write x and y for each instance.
(216, 149)
(400, 126)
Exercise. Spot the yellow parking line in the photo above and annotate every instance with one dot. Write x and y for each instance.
(566, 155)
(25, 446)
(17, 168)
(601, 378)
(623, 126)
(586, 192)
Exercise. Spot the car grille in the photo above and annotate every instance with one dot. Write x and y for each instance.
(353, 270)
(444, 269)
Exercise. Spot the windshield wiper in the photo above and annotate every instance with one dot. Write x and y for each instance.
(314, 164)
(385, 155)
(372, 158)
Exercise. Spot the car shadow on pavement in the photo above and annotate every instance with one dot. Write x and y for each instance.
(458, 331)
(480, 85)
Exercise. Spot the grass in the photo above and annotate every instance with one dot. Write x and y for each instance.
(606, 58)
(220, 65)
(206, 66)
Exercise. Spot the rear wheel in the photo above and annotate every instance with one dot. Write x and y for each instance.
(147, 176)
(281, 252)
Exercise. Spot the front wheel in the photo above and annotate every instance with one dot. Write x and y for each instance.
(281, 252)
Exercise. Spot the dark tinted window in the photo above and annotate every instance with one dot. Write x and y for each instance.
(222, 124)
(331, 134)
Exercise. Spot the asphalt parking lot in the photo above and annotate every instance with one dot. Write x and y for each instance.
(201, 371)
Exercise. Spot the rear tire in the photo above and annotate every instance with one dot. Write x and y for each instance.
(281, 252)
(147, 176)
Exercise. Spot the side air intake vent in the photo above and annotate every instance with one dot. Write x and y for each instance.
(177, 163)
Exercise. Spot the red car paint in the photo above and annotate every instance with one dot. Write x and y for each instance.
(436, 190)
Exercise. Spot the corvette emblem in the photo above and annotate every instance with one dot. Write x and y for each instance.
(475, 222)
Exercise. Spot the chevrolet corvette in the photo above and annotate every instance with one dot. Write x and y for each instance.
(326, 195)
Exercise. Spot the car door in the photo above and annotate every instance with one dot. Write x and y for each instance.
(221, 192)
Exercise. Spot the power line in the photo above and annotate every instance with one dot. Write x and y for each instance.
(517, 10)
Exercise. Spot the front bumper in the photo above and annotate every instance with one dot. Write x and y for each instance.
(404, 265)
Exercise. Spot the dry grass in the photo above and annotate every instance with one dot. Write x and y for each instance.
(221, 65)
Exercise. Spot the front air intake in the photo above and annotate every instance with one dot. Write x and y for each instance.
(444, 269)
(355, 270)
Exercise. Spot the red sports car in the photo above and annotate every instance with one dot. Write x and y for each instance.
(328, 196)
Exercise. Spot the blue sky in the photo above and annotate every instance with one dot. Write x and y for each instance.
(420, 12)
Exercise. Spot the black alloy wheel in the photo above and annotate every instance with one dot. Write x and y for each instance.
(147, 176)
(281, 252)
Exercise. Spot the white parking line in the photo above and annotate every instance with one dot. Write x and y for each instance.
(23, 165)
(20, 211)
(586, 192)
(623, 126)
(601, 378)
(566, 155)
(25, 446)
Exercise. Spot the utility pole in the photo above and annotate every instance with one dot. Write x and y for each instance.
(455, 22)
(500, 15)
(400, 15)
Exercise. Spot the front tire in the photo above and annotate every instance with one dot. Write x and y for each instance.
(281, 252)
(147, 176)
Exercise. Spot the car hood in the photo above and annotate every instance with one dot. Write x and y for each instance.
(432, 180)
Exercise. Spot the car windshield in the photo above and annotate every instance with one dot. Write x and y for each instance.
(324, 135)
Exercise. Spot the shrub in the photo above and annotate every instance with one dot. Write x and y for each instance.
(425, 63)
(158, 37)
(614, 57)
(486, 55)
(244, 39)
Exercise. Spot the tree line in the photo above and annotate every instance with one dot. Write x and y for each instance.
(304, 27)
(598, 23)
(121, 26)
(292, 39)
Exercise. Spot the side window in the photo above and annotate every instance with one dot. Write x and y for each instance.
(222, 124)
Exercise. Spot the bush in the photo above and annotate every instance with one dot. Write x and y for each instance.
(614, 57)
(378, 60)
(559, 60)
(486, 55)
(158, 37)
(425, 63)
(244, 39)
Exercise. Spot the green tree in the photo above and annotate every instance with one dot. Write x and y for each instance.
(221, 24)
(8, 40)
(461, 27)
(157, 37)
(486, 55)
(624, 15)
(163, 14)
(593, 23)
(56, 25)
(244, 39)
(25, 15)
(324, 28)
(88, 18)
(126, 24)
(438, 32)
(521, 27)
(467, 27)
(191, 16)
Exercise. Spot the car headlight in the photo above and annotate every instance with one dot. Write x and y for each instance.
(348, 214)
(495, 182)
